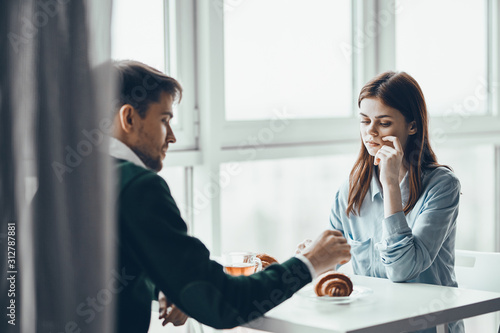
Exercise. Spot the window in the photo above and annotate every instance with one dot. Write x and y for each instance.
(138, 32)
(287, 54)
(444, 46)
(147, 31)
(273, 84)
(271, 206)
(476, 219)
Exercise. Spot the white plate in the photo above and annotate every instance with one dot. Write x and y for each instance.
(358, 292)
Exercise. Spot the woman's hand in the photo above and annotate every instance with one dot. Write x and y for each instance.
(389, 160)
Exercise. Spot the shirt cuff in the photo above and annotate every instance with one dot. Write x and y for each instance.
(306, 261)
(394, 225)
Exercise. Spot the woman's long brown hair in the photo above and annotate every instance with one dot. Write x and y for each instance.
(401, 92)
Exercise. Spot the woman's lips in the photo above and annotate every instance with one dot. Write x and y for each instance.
(372, 144)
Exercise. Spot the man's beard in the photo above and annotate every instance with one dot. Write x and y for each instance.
(151, 163)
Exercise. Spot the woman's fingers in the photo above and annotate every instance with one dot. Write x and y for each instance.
(385, 152)
(389, 149)
(381, 154)
(395, 142)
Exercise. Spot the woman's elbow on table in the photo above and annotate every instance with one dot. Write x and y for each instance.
(400, 276)
(401, 273)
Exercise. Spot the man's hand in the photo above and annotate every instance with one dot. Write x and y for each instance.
(303, 245)
(169, 312)
(327, 251)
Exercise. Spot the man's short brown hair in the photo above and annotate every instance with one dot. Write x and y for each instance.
(140, 85)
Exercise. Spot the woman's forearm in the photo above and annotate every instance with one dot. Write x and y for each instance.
(392, 199)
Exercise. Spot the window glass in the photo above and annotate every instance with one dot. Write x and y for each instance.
(443, 45)
(474, 167)
(287, 54)
(271, 206)
(138, 33)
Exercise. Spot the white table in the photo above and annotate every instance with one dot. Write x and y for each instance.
(393, 307)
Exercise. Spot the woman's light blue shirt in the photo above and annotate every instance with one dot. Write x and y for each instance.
(418, 247)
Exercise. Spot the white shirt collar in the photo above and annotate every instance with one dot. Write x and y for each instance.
(118, 149)
(375, 187)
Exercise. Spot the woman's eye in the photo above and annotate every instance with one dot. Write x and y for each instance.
(385, 124)
(364, 121)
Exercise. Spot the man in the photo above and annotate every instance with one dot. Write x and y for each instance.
(155, 250)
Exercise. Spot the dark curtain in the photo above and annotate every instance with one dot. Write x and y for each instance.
(57, 255)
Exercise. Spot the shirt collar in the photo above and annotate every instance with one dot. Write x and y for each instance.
(118, 149)
(375, 187)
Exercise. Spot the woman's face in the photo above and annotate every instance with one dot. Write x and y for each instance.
(378, 120)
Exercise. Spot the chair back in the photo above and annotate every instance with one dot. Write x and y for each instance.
(478, 270)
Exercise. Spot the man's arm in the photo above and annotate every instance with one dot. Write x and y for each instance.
(180, 266)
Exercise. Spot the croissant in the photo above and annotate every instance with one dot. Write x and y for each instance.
(333, 284)
(266, 260)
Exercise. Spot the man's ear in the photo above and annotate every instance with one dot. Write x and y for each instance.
(412, 128)
(126, 116)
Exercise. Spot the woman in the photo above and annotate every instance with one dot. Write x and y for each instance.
(399, 208)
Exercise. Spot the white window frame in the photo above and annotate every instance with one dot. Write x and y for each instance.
(179, 63)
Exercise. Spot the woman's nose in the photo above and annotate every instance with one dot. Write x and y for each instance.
(371, 130)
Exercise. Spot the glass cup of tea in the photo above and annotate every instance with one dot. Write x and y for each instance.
(241, 263)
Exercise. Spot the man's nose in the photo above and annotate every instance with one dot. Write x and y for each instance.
(170, 136)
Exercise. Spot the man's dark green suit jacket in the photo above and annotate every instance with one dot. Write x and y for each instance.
(156, 253)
